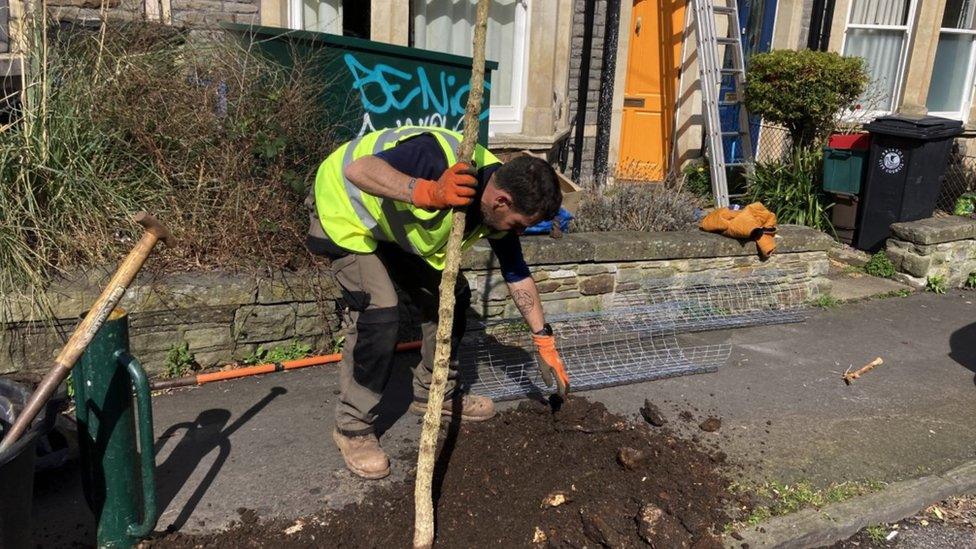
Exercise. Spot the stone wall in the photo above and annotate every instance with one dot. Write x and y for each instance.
(181, 13)
(210, 13)
(224, 317)
(943, 246)
(583, 272)
(221, 317)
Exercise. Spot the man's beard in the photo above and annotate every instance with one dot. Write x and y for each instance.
(490, 218)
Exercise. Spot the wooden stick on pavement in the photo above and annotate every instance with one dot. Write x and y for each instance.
(423, 535)
(850, 376)
(89, 325)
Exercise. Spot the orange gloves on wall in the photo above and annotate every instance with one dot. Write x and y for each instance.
(754, 222)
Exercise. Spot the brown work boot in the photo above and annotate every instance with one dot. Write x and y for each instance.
(472, 407)
(363, 455)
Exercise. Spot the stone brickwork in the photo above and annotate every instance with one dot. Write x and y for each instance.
(220, 317)
(226, 317)
(182, 13)
(596, 70)
(88, 11)
(583, 272)
(943, 246)
(210, 13)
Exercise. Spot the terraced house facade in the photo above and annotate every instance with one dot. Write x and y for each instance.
(607, 86)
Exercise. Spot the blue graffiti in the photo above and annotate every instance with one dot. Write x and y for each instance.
(393, 90)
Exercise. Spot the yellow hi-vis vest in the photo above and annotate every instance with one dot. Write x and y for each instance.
(356, 221)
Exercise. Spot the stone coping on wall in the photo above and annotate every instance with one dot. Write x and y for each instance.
(935, 230)
(621, 246)
(210, 289)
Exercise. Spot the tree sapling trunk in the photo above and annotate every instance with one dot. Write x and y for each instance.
(423, 536)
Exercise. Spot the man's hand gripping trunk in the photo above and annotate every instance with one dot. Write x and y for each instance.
(455, 188)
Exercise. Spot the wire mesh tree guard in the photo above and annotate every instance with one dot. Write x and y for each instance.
(640, 336)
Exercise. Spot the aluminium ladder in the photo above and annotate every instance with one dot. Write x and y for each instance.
(712, 73)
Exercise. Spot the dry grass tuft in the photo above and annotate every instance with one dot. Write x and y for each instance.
(216, 141)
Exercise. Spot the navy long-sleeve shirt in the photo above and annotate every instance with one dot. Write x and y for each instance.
(423, 158)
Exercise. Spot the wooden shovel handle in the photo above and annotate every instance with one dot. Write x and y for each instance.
(90, 324)
(155, 227)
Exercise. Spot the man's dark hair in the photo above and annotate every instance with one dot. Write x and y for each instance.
(533, 185)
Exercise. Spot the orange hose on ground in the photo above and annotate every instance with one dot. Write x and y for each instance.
(266, 368)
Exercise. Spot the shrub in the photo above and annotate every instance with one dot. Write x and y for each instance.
(971, 281)
(803, 90)
(636, 207)
(217, 141)
(880, 265)
(791, 189)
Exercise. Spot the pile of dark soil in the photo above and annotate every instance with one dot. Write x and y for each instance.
(577, 477)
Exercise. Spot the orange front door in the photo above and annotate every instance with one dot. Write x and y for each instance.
(653, 65)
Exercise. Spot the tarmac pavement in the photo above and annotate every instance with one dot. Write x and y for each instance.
(263, 443)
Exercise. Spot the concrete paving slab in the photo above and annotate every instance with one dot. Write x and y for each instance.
(263, 443)
(853, 286)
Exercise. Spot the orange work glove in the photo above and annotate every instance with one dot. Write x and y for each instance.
(455, 187)
(550, 363)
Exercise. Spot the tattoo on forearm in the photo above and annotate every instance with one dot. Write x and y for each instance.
(408, 197)
(523, 300)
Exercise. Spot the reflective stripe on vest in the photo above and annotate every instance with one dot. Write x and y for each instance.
(356, 220)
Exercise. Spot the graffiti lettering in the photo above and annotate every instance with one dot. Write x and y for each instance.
(398, 97)
(429, 120)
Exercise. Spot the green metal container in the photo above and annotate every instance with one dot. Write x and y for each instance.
(843, 170)
(371, 85)
(117, 473)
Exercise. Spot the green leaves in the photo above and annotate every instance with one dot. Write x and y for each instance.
(791, 189)
(291, 351)
(880, 265)
(803, 90)
(179, 361)
(936, 284)
(269, 147)
(698, 179)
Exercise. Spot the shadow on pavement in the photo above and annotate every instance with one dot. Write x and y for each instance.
(962, 347)
(207, 432)
(61, 517)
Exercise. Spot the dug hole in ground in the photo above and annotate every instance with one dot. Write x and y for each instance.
(573, 475)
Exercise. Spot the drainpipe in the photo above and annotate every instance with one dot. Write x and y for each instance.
(583, 88)
(605, 108)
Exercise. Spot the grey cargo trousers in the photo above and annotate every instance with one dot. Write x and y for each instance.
(369, 284)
